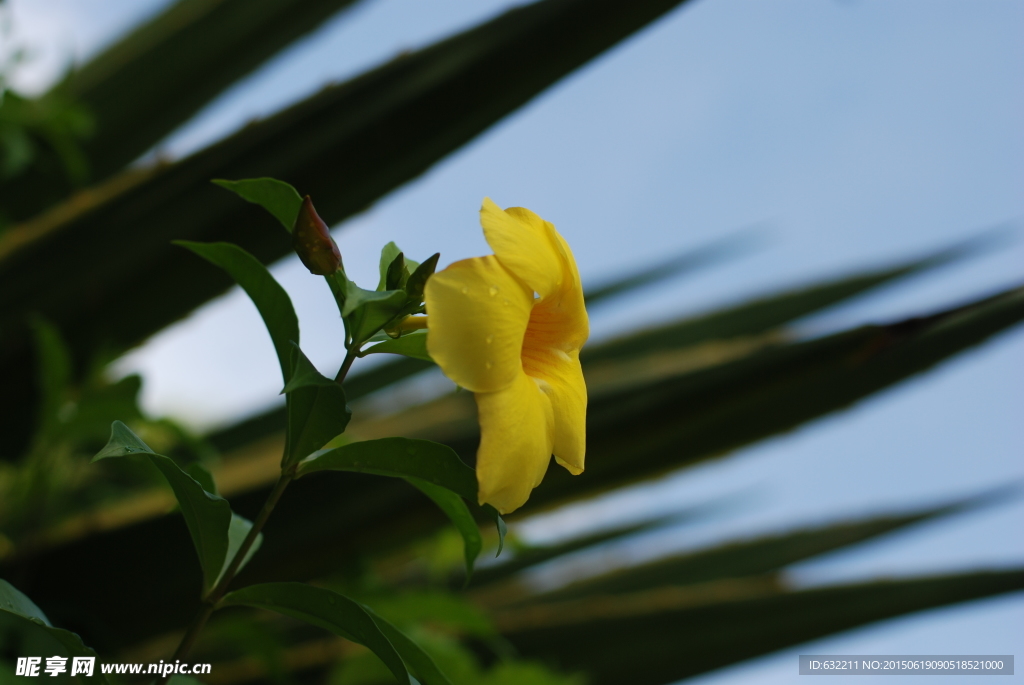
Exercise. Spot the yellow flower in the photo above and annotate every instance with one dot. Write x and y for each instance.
(509, 327)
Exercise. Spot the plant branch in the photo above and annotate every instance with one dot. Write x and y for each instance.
(346, 365)
(211, 599)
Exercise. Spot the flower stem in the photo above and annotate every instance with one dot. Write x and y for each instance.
(346, 365)
(211, 599)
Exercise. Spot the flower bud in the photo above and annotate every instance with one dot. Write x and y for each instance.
(313, 242)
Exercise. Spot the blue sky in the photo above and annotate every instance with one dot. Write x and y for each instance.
(854, 133)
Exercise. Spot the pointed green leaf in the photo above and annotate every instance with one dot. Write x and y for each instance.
(237, 532)
(24, 626)
(387, 255)
(202, 476)
(304, 374)
(458, 513)
(13, 600)
(499, 523)
(277, 197)
(398, 458)
(317, 410)
(270, 298)
(207, 516)
(423, 463)
(396, 275)
(326, 609)
(410, 345)
(418, 278)
(418, 661)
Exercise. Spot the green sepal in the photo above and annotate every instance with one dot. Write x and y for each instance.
(367, 311)
(277, 197)
(344, 617)
(409, 345)
(317, 410)
(209, 518)
(499, 524)
(418, 279)
(266, 293)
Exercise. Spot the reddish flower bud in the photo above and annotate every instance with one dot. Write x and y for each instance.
(313, 242)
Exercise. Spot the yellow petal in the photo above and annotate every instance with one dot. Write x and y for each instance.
(515, 443)
(561, 379)
(525, 245)
(478, 314)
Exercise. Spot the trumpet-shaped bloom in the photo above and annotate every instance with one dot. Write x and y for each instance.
(509, 327)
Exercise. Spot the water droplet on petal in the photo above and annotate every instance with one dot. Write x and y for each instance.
(493, 290)
(506, 301)
(489, 365)
(465, 290)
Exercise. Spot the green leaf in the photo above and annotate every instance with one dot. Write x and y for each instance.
(398, 458)
(423, 463)
(13, 600)
(202, 476)
(304, 374)
(388, 255)
(317, 410)
(270, 298)
(499, 523)
(418, 661)
(456, 510)
(237, 532)
(207, 516)
(397, 274)
(410, 345)
(25, 628)
(418, 278)
(325, 609)
(277, 197)
(410, 608)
